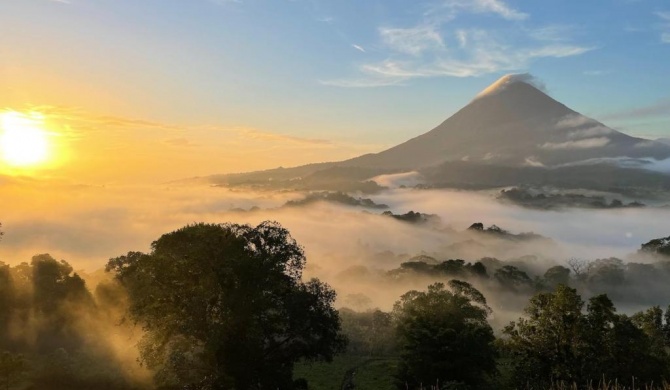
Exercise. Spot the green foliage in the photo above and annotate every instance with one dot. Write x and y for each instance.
(368, 333)
(335, 197)
(556, 342)
(6, 302)
(55, 291)
(12, 369)
(448, 268)
(514, 279)
(415, 218)
(444, 337)
(224, 306)
(363, 372)
(375, 375)
(557, 275)
(328, 375)
(659, 246)
(609, 271)
(61, 370)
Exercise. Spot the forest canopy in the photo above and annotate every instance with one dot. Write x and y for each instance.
(226, 306)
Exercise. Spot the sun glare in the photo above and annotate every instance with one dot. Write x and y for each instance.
(23, 139)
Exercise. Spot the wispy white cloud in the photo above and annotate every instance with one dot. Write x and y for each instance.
(358, 47)
(481, 54)
(364, 82)
(480, 6)
(665, 26)
(221, 2)
(573, 120)
(659, 108)
(413, 41)
(432, 48)
(533, 162)
(552, 33)
(595, 72)
(590, 132)
(588, 143)
(68, 2)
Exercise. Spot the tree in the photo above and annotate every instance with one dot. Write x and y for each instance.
(224, 306)
(557, 343)
(545, 345)
(579, 267)
(6, 303)
(368, 333)
(557, 275)
(12, 369)
(56, 291)
(606, 272)
(514, 279)
(660, 246)
(444, 337)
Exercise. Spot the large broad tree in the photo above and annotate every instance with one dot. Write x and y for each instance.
(225, 307)
(444, 337)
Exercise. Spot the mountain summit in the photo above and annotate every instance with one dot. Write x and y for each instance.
(514, 123)
(512, 133)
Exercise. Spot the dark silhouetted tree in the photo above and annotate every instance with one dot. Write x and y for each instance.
(512, 278)
(557, 343)
(224, 306)
(12, 369)
(444, 337)
(6, 304)
(660, 246)
(56, 291)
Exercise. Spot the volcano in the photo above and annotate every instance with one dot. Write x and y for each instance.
(512, 133)
(514, 123)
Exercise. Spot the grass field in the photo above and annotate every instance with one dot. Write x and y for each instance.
(365, 373)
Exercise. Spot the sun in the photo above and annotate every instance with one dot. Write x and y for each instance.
(23, 139)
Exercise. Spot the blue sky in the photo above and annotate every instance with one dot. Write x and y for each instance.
(361, 74)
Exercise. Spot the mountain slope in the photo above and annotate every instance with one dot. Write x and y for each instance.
(510, 134)
(514, 124)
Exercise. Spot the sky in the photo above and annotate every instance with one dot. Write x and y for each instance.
(158, 90)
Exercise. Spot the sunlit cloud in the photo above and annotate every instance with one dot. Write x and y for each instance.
(179, 142)
(260, 135)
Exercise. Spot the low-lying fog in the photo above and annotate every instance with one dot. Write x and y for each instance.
(87, 225)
